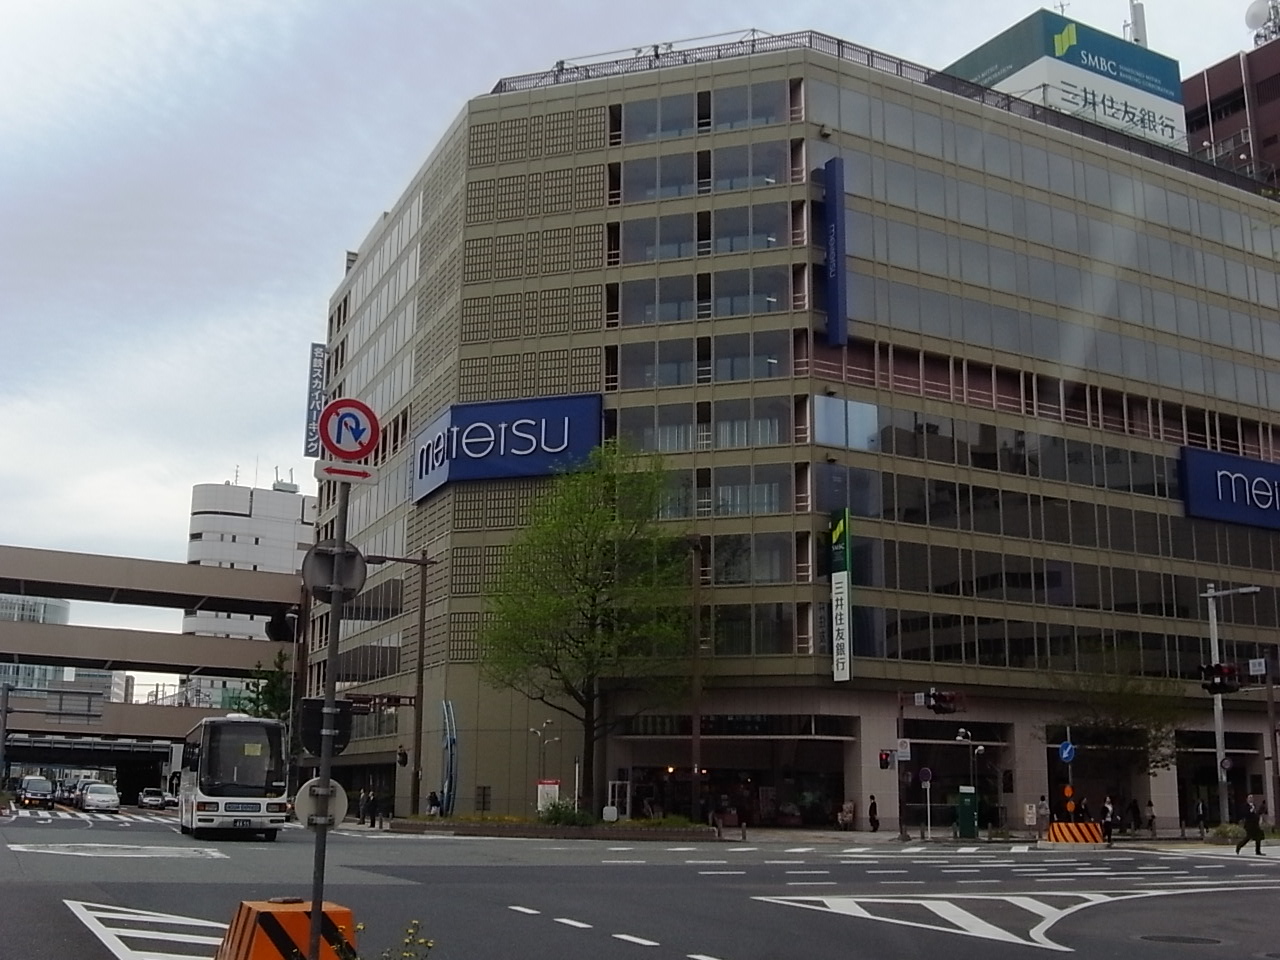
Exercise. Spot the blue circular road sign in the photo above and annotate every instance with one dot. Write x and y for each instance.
(1066, 751)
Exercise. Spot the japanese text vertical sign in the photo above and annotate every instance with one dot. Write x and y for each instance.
(315, 399)
(841, 639)
(836, 250)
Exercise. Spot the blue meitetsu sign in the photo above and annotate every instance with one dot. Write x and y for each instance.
(515, 438)
(1219, 486)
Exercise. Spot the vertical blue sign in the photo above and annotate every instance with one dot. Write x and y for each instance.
(837, 245)
(315, 399)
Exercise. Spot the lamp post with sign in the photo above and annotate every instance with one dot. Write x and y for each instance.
(1215, 657)
(349, 431)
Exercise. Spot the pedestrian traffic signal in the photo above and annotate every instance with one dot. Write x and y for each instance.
(886, 757)
(943, 701)
(1220, 678)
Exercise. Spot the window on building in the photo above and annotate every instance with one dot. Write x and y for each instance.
(639, 121)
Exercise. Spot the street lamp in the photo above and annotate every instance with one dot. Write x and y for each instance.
(543, 743)
(415, 787)
(975, 750)
(1219, 734)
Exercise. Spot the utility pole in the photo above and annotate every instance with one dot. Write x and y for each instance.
(695, 695)
(4, 733)
(1219, 733)
(897, 770)
(1271, 739)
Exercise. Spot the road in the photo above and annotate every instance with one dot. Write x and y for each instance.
(133, 888)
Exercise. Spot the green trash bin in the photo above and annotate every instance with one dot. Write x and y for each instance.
(967, 814)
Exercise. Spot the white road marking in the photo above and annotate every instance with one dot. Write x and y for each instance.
(95, 917)
(742, 849)
(620, 849)
(967, 850)
(780, 862)
(120, 850)
(691, 862)
(721, 873)
(622, 861)
(641, 941)
(1020, 848)
(669, 849)
(799, 850)
(855, 850)
(1211, 866)
(912, 850)
(807, 873)
(978, 881)
(573, 923)
(811, 883)
(962, 870)
(885, 871)
(903, 883)
(699, 956)
(528, 910)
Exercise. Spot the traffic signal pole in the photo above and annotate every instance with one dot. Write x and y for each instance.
(897, 770)
(1271, 738)
(325, 815)
(1219, 732)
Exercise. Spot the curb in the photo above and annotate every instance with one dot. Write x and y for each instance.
(549, 832)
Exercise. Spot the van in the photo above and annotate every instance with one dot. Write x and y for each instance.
(35, 791)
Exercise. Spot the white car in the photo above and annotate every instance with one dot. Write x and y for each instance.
(101, 797)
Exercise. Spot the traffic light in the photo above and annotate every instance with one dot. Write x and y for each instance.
(1220, 678)
(942, 701)
(886, 756)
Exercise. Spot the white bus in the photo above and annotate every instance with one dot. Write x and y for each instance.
(233, 777)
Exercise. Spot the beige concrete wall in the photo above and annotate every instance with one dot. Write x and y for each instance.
(136, 720)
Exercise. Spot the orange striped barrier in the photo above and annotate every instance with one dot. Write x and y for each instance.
(1072, 833)
(280, 930)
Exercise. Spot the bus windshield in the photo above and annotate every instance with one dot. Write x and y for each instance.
(242, 760)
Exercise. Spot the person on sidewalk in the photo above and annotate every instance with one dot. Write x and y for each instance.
(375, 808)
(433, 804)
(362, 806)
(1133, 814)
(1252, 827)
(1200, 818)
(1108, 819)
(1151, 818)
(1042, 816)
(873, 814)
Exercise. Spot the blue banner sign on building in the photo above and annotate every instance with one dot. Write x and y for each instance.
(1219, 486)
(315, 399)
(514, 438)
(836, 249)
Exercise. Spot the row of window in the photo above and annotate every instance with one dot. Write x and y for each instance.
(730, 491)
(686, 114)
(718, 424)
(1047, 581)
(1033, 645)
(688, 174)
(1072, 344)
(855, 425)
(724, 293)
(1027, 163)
(951, 505)
(724, 358)
(1106, 241)
(678, 236)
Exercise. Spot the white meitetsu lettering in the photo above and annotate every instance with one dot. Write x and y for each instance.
(475, 441)
(1257, 492)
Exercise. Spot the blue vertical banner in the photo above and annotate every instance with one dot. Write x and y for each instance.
(315, 399)
(837, 247)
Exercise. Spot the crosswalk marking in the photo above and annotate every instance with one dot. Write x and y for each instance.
(51, 815)
(1020, 848)
(967, 850)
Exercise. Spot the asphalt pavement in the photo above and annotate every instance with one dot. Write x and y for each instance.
(131, 889)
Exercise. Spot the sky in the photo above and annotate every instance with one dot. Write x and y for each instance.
(181, 179)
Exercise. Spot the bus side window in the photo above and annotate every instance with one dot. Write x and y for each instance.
(190, 756)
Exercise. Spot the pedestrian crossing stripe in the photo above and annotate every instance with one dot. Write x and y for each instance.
(117, 817)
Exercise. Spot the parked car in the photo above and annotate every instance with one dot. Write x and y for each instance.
(151, 797)
(170, 800)
(35, 792)
(100, 797)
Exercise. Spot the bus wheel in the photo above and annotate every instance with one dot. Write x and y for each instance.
(197, 833)
(270, 835)
(182, 828)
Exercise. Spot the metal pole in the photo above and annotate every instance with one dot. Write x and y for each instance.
(329, 723)
(897, 772)
(415, 788)
(4, 733)
(695, 702)
(1271, 741)
(1219, 734)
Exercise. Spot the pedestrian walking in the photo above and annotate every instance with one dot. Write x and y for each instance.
(873, 814)
(433, 804)
(375, 808)
(362, 806)
(1132, 814)
(1200, 818)
(1082, 811)
(1108, 819)
(1251, 821)
(1042, 816)
(1151, 818)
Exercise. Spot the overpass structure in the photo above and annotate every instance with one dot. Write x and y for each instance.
(128, 581)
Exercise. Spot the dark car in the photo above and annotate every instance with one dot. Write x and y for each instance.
(152, 797)
(35, 792)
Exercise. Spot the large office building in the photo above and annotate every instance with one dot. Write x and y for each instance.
(1033, 360)
(243, 528)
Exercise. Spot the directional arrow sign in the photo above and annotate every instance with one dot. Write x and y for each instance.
(346, 472)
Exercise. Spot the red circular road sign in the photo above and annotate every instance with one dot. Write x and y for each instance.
(349, 429)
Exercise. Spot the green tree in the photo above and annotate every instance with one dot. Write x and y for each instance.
(270, 693)
(592, 597)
